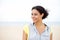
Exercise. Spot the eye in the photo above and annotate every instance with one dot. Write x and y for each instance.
(35, 14)
(31, 13)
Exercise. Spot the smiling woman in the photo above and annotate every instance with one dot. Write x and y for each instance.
(18, 11)
(38, 30)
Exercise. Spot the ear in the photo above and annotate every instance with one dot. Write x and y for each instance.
(42, 14)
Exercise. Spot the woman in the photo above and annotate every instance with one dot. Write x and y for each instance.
(38, 30)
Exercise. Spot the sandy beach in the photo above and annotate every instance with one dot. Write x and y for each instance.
(14, 32)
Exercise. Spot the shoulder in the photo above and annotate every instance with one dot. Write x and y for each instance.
(50, 28)
(26, 27)
(47, 27)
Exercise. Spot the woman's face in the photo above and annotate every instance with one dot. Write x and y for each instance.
(36, 16)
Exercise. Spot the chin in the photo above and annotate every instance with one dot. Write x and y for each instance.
(34, 21)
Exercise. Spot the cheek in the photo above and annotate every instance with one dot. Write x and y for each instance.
(37, 17)
(34, 17)
(40, 17)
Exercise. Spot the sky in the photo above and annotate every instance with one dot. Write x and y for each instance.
(20, 10)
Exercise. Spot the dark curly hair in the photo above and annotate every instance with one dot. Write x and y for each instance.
(41, 10)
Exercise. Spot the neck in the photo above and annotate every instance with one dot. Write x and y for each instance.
(38, 24)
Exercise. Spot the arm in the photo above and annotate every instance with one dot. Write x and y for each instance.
(25, 32)
(24, 36)
(51, 36)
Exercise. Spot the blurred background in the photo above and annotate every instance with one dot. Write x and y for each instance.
(15, 13)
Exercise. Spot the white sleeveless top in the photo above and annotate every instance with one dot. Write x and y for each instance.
(34, 35)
